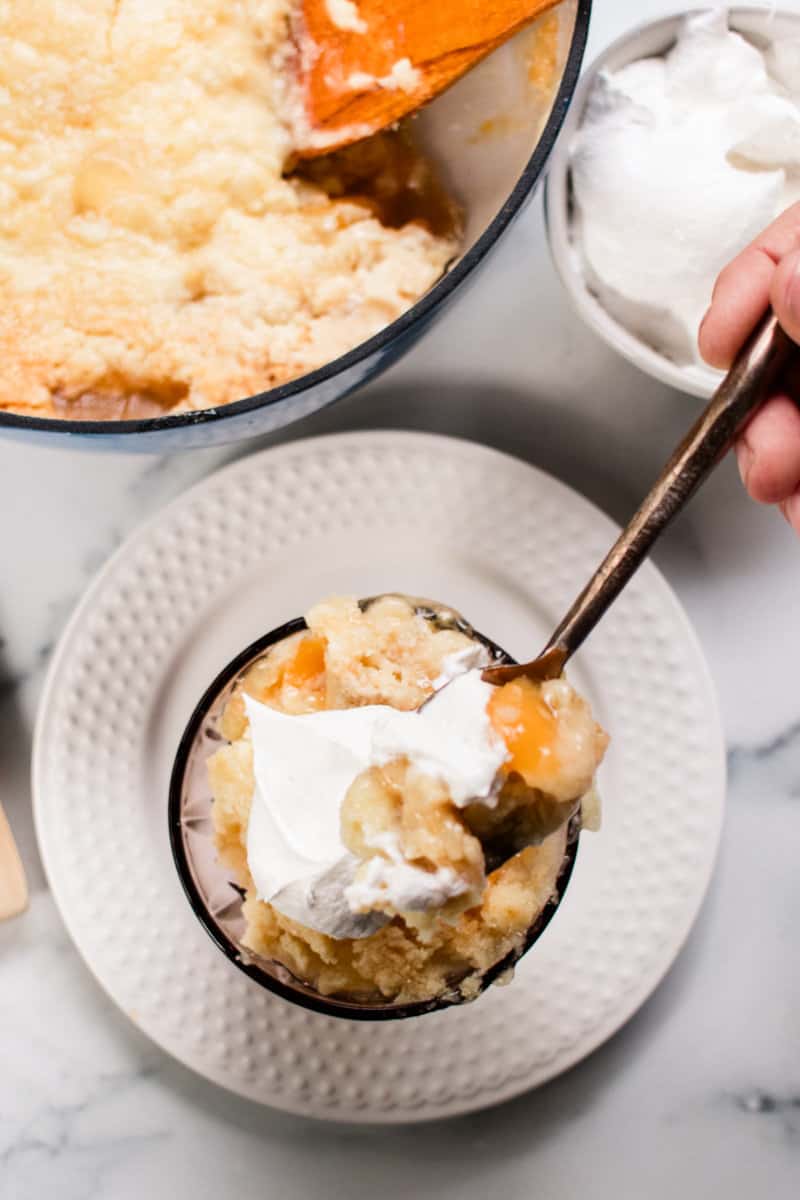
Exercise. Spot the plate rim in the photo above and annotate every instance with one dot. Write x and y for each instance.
(489, 1096)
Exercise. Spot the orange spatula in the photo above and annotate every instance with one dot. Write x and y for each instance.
(363, 64)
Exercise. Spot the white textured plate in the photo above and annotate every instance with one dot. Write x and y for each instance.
(241, 553)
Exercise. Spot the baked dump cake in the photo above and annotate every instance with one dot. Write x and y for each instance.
(155, 255)
(363, 828)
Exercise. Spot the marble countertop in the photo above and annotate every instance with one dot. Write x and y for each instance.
(700, 1093)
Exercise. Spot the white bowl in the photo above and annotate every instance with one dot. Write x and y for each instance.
(645, 41)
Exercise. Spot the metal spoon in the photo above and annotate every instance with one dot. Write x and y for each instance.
(741, 392)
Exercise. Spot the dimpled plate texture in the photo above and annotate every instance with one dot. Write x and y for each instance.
(249, 548)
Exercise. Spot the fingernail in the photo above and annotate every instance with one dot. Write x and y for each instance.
(744, 458)
(700, 331)
(791, 510)
(791, 292)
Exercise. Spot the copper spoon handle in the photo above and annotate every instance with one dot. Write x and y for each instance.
(742, 390)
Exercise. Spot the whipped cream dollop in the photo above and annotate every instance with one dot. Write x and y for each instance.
(679, 162)
(303, 767)
(409, 888)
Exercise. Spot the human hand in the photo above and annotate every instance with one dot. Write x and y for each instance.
(766, 273)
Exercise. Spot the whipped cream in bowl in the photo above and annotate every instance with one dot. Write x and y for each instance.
(309, 849)
(682, 145)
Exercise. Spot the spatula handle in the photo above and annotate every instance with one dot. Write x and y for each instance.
(13, 886)
(743, 389)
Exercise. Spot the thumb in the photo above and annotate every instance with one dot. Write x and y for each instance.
(785, 294)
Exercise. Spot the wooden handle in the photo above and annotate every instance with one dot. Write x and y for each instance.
(13, 885)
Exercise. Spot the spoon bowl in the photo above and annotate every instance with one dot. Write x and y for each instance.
(217, 901)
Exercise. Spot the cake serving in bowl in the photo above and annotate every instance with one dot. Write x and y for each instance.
(395, 825)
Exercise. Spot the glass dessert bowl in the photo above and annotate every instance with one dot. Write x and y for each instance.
(364, 826)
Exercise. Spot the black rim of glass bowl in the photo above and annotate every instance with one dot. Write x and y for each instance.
(282, 982)
(397, 330)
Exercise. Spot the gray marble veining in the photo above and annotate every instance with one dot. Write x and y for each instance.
(699, 1095)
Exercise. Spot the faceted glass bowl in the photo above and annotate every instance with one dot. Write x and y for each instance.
(217, 900)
